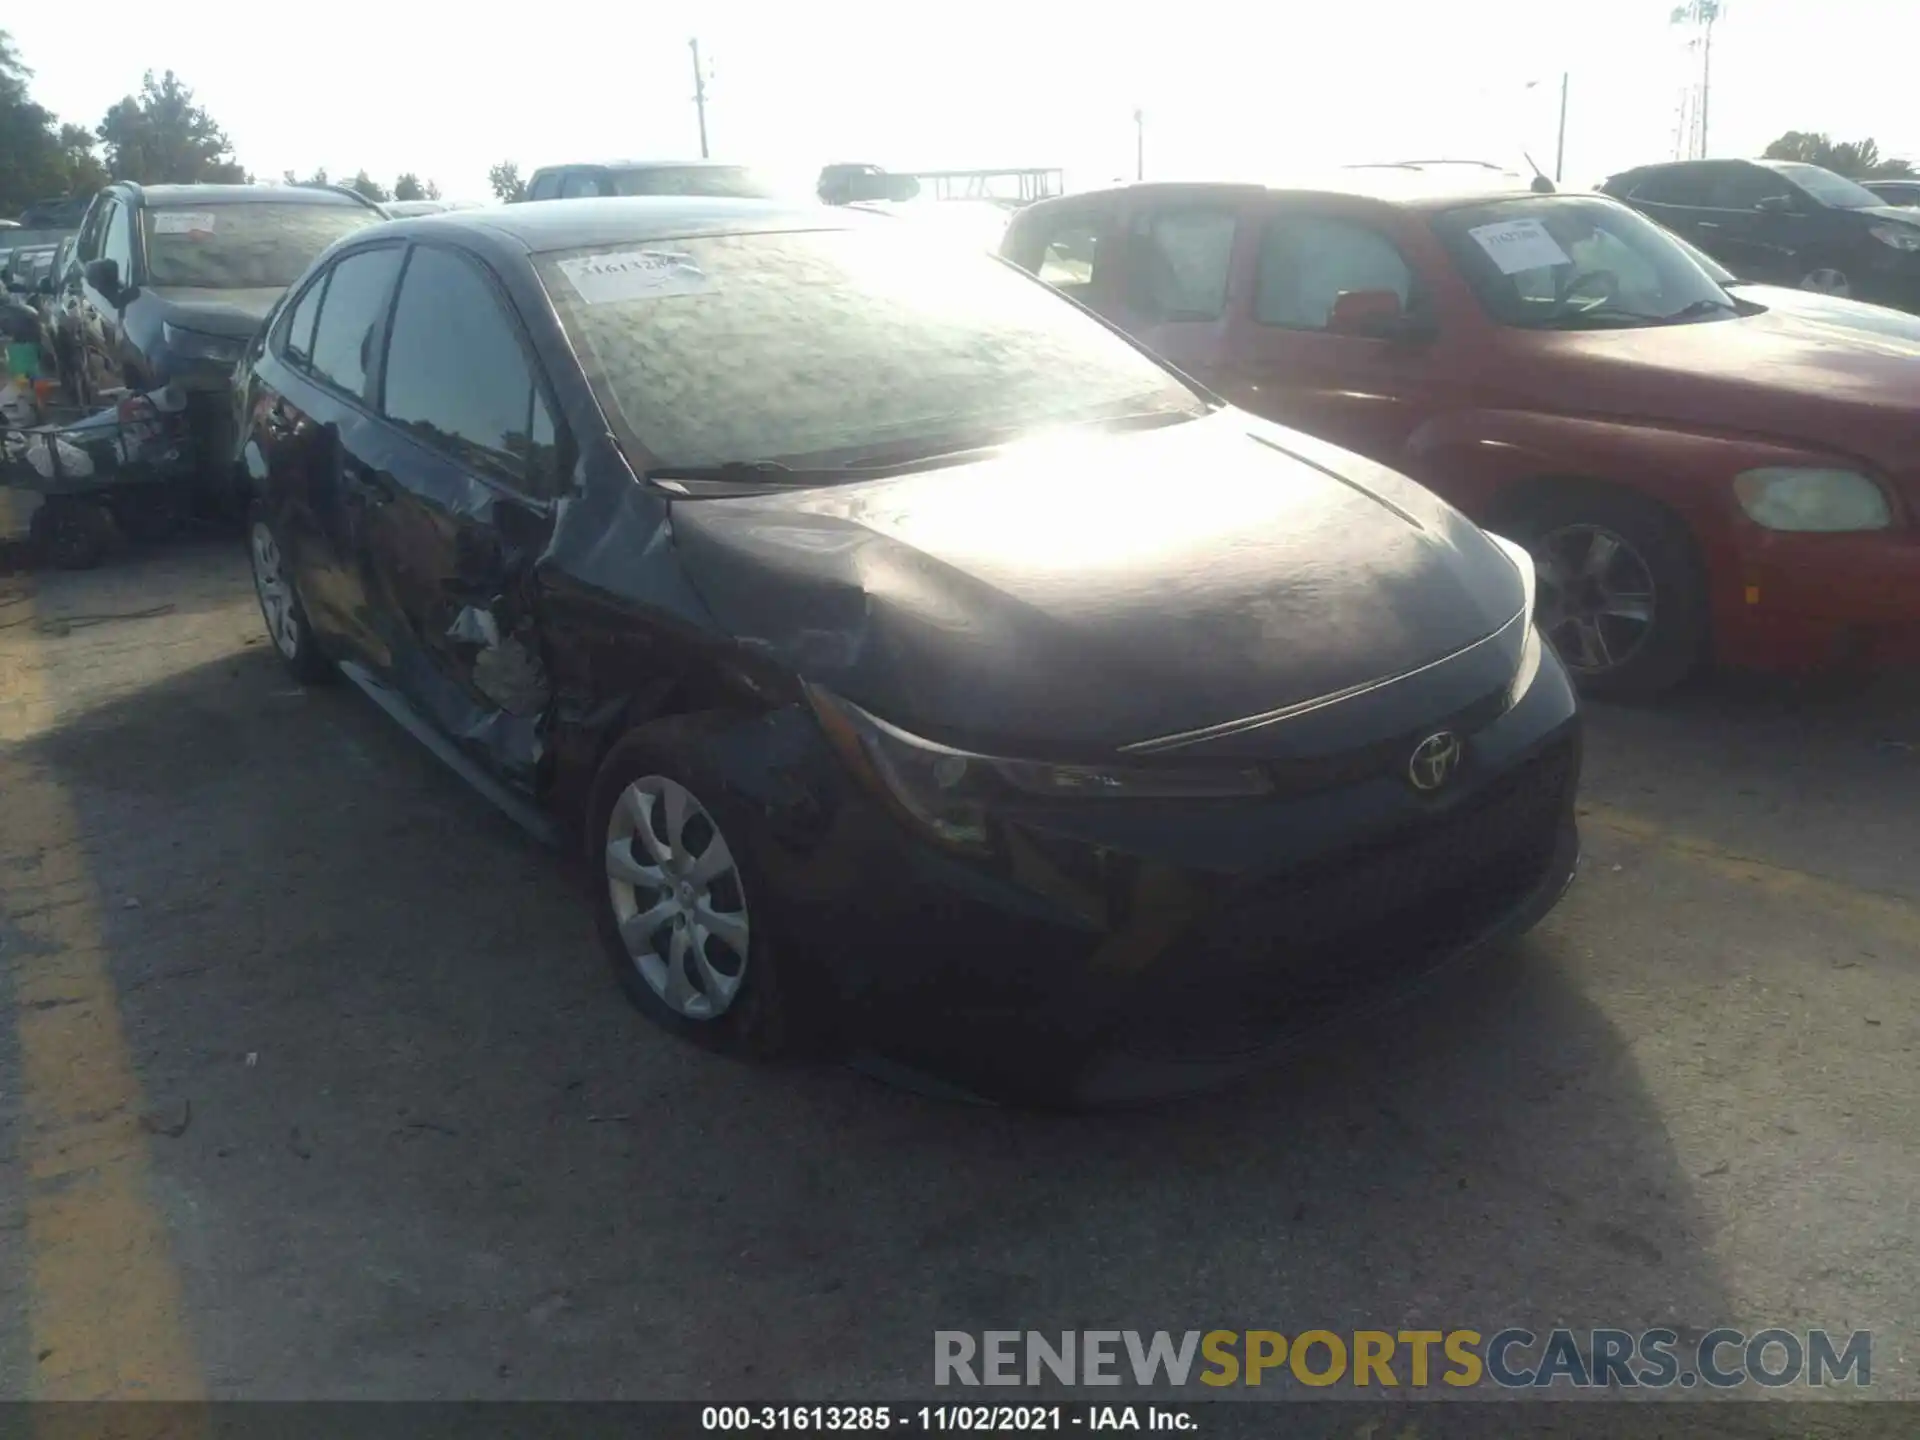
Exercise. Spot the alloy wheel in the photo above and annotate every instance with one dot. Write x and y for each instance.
(276, 598)
(1597, 597)
(1827, 281)
(677, 897)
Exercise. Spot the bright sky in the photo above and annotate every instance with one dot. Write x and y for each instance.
(397, 85)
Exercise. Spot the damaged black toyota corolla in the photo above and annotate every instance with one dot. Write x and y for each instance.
(921, 666)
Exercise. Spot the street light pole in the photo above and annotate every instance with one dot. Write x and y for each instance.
(1560, 149)
(699, 95)
(1139, 144)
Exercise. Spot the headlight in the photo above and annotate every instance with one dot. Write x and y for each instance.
(947, 792)
(198, 345)
(1900, 237)
(1529, 665)
(1791, 498)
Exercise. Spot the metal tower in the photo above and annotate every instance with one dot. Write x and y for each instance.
(1695, 20)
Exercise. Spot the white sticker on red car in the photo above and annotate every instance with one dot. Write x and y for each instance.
(634, 275)
(183, 222)
(1516, 245)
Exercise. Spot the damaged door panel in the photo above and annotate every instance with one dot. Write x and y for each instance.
(464, 475)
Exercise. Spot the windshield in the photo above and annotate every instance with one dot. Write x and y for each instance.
(724, 182)
(836, 348)
(1829, 188)
(1576, 262)
(265, 245)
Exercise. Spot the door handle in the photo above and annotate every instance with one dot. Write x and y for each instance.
(1707, 224)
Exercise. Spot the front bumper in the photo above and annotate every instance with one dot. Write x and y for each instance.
(1115, 952)
(1812, 600)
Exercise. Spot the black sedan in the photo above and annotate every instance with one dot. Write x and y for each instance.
(922, 668)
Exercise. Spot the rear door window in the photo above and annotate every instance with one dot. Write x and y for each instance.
(1308, 261)
(1178, 261)
(346, 337)
(1681, 185)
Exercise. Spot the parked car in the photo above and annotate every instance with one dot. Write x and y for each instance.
(169, 282)
(60, 214)
(912, 658)
(1896, 192)
(26, 266)
(1811, 304)
(650, 177)
(1784, 223)
(402, 209)
(1697, 475)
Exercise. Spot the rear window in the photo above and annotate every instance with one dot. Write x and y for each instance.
(241, 247)
(722, 182)
(836, 347)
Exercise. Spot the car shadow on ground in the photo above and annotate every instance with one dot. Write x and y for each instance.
(432, 1153)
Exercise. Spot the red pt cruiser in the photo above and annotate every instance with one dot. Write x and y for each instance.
(1697, 473)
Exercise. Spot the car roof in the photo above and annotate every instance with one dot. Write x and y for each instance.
(1411, 187)
(240, 194)
(536, 226)
(641, 165)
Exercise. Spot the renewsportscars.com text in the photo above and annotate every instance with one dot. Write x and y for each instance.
(1511, 1359)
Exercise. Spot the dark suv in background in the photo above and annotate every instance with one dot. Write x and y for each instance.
(1780, 222)
(704, 178)
(167, 284)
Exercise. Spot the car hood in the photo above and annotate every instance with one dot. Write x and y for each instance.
(234, 313)
(1832, 310)
(1082, 595)
(1804, 370)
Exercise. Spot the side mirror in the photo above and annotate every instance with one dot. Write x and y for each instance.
(1373, 314)
(1776, 205)
(104, 275)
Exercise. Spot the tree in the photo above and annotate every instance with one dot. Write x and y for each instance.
(408, 187)
(369, 187)
(506, 182)
(1856, 159)
(313, 181)
(31, 165)
(84, 171)
(163, 137)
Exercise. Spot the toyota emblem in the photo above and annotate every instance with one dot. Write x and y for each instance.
(1434, 761)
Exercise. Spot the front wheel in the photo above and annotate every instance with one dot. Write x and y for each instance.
(681, 903)
(280, 607)
(1622, 595)
(1827, 280)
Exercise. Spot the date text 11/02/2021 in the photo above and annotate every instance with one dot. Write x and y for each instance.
(934, 1419)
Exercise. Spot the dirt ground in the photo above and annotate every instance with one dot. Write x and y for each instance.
(313, 1084)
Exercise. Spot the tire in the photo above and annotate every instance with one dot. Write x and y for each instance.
(1828, 280)
(1632, 660)
(73, 534)
(753, 999)
(286, 619)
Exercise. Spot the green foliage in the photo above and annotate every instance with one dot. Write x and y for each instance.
(506, 182)
(408, 187)
(31, 165)
(1855, 159)
(163, 137)
(369, 187)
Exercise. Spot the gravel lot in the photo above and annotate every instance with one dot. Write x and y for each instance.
(314, 1084)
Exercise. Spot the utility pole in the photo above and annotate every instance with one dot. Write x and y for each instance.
(1710, 11)
(1699, 17)
(1139, 143)
(1560, 149)
(699, 95)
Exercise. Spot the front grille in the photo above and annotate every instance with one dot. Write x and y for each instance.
(1280, 955)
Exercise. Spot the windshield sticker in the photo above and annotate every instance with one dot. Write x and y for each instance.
(1519, 245)
(181, 222)
(634, 275)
